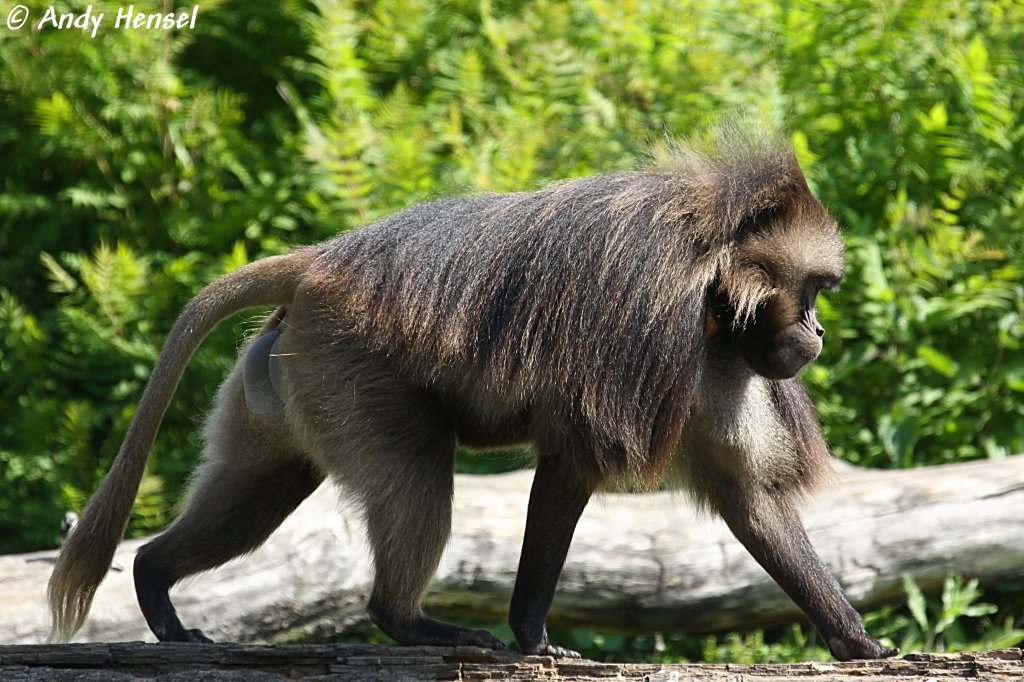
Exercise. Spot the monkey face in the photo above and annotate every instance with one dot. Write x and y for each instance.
(779, 351)
(784, 334)
(764, 300)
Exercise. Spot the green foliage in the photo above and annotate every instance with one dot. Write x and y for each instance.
(793, 645)
(914, 139)
(111, 141)
(956, 621)
(137, 166)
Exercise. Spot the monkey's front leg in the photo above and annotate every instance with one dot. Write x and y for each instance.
(768, 525)
(557, 499)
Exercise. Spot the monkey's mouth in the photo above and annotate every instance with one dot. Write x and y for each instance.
(782, 355)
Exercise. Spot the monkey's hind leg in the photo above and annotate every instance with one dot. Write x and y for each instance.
(405, 486)
(248, 483)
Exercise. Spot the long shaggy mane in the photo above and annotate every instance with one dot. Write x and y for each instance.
(592, 288)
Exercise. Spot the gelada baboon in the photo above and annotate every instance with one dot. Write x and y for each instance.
(626, 325)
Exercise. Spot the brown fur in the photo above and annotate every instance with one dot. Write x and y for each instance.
(612, 321)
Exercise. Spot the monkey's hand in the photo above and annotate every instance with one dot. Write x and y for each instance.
(861, 646)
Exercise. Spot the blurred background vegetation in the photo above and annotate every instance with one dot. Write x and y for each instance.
(137, 166)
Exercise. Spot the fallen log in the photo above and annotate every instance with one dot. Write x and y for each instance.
(639, 563)
(136, 661)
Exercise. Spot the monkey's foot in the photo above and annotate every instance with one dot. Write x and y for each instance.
(197, 637)
(431, 632)
(861, 646)
(554, 650)
(161, 616)
(192, 636)
(480, 638)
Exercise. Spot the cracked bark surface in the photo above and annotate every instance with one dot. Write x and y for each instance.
(137, 661)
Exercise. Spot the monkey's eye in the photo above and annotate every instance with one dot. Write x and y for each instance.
(829, 282)
(814, 285)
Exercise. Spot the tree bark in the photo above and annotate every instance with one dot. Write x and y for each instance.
(134, 661)
(638, 563)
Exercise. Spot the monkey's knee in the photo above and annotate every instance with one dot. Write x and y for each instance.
(158, 567)
(151, 568)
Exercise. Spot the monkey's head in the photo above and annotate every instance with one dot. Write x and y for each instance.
(764, 300)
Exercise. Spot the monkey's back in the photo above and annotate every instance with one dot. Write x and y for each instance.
(584, 288)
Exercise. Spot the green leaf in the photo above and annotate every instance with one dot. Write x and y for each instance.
(54, 115)
(916, 602)
(940, 362)
(61, 280)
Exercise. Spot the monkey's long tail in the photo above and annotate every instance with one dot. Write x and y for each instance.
(89, 549)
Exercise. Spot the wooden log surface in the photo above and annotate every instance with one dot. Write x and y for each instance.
(135, 660)
(639, 563)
